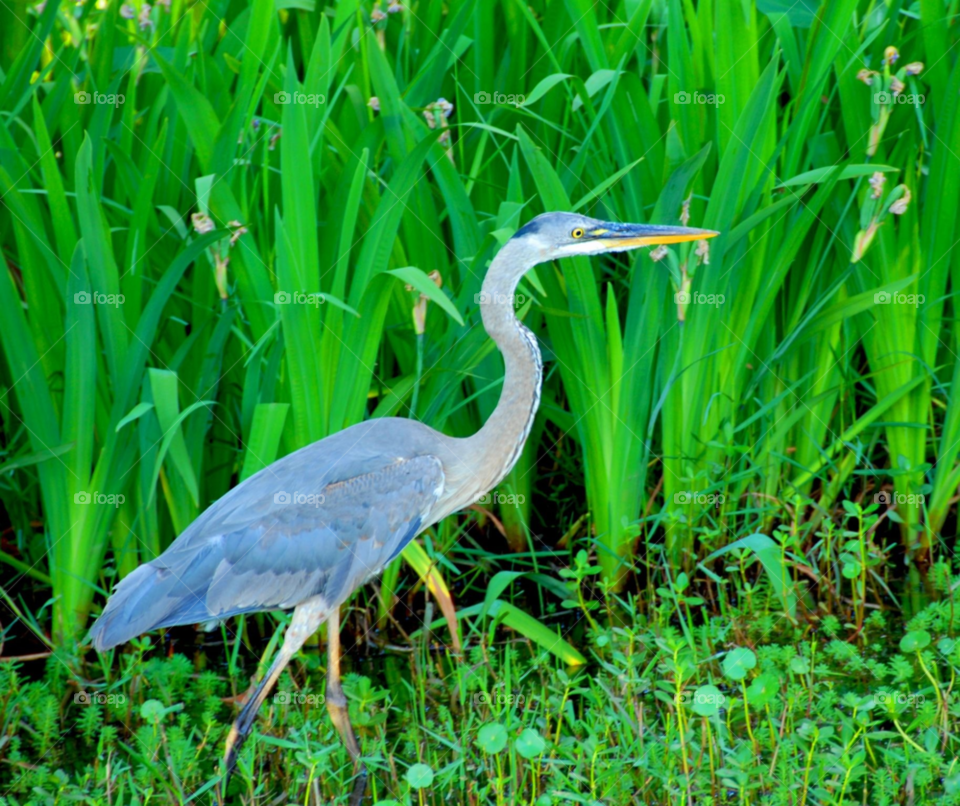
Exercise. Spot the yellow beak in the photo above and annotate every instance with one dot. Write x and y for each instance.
(623, 236)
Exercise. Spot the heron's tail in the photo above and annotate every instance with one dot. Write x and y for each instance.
(152, 596)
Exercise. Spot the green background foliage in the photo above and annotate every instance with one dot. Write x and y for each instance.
(231, 229)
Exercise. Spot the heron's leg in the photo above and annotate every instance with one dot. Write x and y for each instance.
(306, 619)
(337, 706)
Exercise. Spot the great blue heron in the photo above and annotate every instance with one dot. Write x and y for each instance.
(308, 530)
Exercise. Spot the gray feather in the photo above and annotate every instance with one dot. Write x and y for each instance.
(320, 521)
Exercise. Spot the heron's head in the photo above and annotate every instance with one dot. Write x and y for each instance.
(557, 235)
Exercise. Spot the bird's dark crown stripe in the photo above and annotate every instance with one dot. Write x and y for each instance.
(530, 228)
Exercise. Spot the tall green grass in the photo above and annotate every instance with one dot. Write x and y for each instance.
(709, 395)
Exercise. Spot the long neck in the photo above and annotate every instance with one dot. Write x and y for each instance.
(499, 443)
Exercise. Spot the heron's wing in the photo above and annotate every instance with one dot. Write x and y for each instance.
(280, 538)
(327, 543)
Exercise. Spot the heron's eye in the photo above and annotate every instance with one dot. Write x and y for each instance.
(577, 233)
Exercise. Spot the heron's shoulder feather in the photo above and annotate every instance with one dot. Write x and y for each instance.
(354, 453)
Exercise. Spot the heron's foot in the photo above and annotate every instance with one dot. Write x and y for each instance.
(235, 740)
(239, 732)
(337, 708)
(231, 753)
(359, 786)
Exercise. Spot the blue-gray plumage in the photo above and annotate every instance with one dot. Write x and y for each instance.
(308, 530)
(318, 522)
